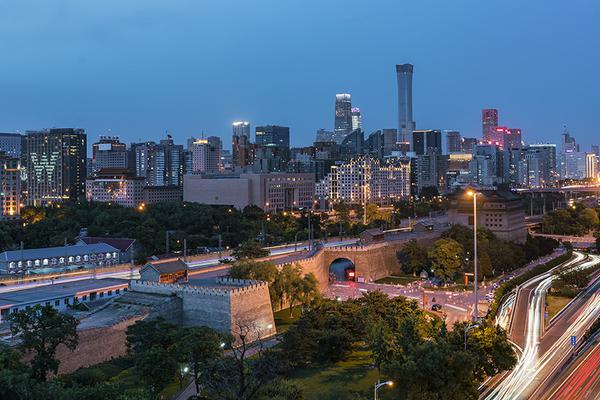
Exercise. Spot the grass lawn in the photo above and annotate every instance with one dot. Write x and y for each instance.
(283, 320)
(554, 304)
(338, 381)
(398, 280)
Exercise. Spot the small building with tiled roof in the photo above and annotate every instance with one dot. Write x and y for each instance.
(165, 272)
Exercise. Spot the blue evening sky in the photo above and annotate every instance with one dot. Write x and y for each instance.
(137, 68)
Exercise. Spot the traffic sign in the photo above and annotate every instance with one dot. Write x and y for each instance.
(573, 341)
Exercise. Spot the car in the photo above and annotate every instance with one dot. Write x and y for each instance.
(436, 307)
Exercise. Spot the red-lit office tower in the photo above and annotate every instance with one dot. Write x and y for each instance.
(489, 122)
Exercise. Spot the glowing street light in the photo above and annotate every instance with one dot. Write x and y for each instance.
(379, 385)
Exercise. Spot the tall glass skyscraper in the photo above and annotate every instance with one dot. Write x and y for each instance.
(56, 165)
(406, 124)
(343, 114)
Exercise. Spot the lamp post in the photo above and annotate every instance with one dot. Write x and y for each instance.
(467, 329)
(473, 194)
(379, 385)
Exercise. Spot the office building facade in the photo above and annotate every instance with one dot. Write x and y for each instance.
(406, 125)
(489, 123)
(56, 165)
(343, 114)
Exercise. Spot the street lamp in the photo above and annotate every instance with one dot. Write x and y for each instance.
(467, 329)
(378, 385)
(473, 194)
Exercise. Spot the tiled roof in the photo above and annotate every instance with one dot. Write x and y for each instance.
(168, 267)
(62, 251)
(123, 244)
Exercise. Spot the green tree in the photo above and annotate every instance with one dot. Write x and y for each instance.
(41, 330)
(249, 249)
(446, 258)
(413, 257)
(588, 218)
(144, 335)
(156, 367)
(195, 346)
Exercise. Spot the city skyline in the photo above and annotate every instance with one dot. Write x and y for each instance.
(111, 74)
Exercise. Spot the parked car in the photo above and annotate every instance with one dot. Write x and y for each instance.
(436, 307)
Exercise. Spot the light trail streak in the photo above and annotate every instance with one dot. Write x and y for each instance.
(523, 374)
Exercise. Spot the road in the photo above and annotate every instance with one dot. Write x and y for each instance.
(542, 353)
(581, 380)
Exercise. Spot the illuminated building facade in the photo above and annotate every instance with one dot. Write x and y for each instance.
(366, 179)
(343, 114)
(206, 155)
(356, 119)
(489, 122)
(160, 164)
(241, 147)
(109, 153)
(115, 187)
(10, 187)
(56, 165)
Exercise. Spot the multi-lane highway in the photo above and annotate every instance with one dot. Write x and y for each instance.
(544, 352)
(581, 380)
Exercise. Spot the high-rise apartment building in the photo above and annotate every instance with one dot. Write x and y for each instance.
(366, 179)
(10, 186)
(56, 165)
(406, 125)
(343, 114)
(206, 155)
(356, 119)
(489, 122)
(109, 153)
(160, 164)
(513, 139)
(272, 148)
(241, 148)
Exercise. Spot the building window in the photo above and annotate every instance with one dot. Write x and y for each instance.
(66, 301)
(101, 294)
(109, 293)
(61, 260)
(84, 298)
(117, 291)
(57, 303)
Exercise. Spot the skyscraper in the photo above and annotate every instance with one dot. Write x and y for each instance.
(206, 154)
(453, 142)
(56, 165)
(356, 119)
(161, 164)
(406, 125)
(109, 153)
(240, 144)
(343, 114)
(489, 122)
(430, 139)
(272, 148)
